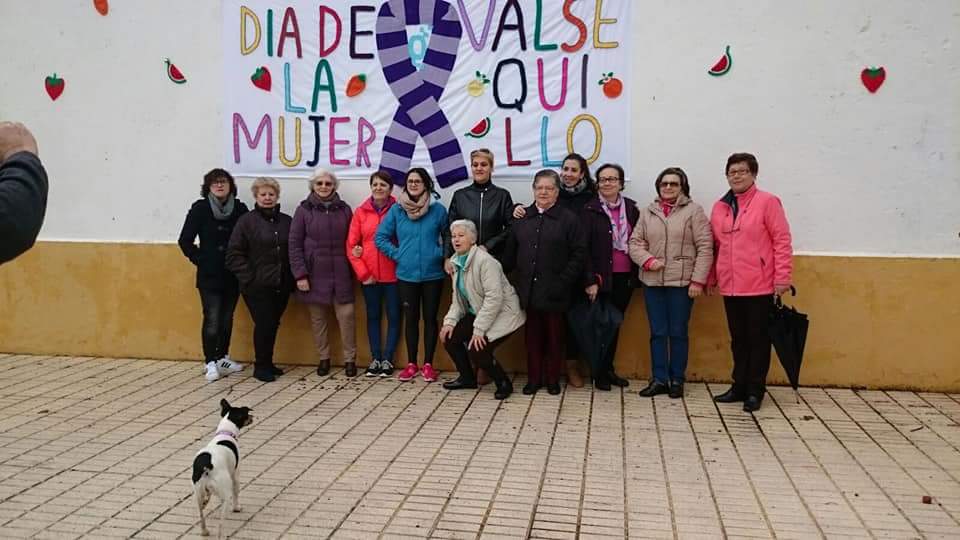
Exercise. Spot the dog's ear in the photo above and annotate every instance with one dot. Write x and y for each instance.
(224, 407)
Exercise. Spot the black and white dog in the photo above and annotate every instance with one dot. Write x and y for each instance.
(215, 468)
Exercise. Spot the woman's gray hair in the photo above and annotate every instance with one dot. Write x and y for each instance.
(547, 173)
(467, 226)
(320, 173)
(265, 181)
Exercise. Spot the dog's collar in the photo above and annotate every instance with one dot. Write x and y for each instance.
(227, 433)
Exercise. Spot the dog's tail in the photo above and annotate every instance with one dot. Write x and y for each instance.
(202, 464)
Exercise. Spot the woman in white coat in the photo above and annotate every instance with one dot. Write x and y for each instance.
(484, 312)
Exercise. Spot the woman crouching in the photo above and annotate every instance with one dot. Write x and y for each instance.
(484, 312)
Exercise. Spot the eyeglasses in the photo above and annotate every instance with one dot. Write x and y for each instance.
(414, 182)
(323, 184)
(738, 172)
(609, 180)
(669, 184)
(219, 181)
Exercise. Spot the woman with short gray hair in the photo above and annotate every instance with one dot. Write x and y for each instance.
(318, 259)
(484, 312)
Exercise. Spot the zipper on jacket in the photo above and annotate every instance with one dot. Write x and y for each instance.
(480, 225)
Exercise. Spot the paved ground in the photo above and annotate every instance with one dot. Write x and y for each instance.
(103, 447)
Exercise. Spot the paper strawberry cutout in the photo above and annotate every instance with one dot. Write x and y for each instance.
(261, 78)
(873, 78)
(54, 86)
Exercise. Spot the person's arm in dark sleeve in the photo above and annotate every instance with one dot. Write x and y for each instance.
(23, 203)
(191, 227)
(494, 243)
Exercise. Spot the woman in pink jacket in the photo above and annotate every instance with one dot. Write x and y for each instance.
(377, 274)
(753, 262)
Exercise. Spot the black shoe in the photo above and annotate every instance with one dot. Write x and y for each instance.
(602, 383)
(553, 389)
(350, 369)
(386, 369)
(655, 388)
(373, 369)
(323, 368)
(530, 388)
(504, 389)
(263, 374)
(732, 395)
(676, 390)
(276, 371)
(617, 380)
(459, 383)
(751, 404)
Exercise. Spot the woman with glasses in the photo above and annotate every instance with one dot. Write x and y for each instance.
(318, 259)
(413, 234)
(673, 246)
(211, 220)
(547, 249)
(754, 262)
(610, 275)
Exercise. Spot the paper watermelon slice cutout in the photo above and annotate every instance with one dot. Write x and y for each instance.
(481, 129)
(722, 67)
(174, 74)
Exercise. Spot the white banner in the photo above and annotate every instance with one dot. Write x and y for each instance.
(354, 86)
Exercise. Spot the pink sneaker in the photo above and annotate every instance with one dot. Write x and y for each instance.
(429, 375)
(409, 372)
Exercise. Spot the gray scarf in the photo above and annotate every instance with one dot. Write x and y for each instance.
(575, 190)
(221, 211)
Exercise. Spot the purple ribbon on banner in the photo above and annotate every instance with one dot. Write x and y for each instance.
(418, 92)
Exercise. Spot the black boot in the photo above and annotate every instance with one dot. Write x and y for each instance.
(752, 403)
(275, 370)
(466, 377)
(502, 380)
(733, 395)
(602, 382)
(323, 369)
(350, 369)
(263, 373)
(655, 388)
(617, 380)
(460, 383)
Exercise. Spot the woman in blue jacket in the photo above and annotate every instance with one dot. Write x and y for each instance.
(413, 234)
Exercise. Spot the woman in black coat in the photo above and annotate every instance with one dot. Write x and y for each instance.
(546, 250)
(609, 275)
(259, 255)
(212, 219)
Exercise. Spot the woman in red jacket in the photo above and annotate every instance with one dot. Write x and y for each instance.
(376, 273)
(753, 261)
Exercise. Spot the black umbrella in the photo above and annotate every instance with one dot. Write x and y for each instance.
(788, 332)
(594, 325)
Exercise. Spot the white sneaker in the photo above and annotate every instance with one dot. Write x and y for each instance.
(212, 372)
(228, 366)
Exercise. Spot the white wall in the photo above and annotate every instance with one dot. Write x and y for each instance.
(858, 173)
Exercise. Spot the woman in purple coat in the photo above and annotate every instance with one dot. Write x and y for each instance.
(318, 260)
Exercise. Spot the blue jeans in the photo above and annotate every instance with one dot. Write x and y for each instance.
(668, 310)
(375, 296)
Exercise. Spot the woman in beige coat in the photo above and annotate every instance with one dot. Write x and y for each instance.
(673, 245)
(484, 312)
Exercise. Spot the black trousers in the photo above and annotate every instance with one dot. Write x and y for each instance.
(217, 327)
(747, 319)
(466, 359)
(266, 309)
(620, 293)
(413, 297)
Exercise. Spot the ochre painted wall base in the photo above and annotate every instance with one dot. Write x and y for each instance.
(875, 322)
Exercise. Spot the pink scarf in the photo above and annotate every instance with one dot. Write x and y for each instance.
(621, 228)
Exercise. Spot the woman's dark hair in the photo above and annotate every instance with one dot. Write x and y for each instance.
(615, 167)
(743, 157)
(382, 175)
(583, 167)
(684, 183)
(213, 175)
(427, 181)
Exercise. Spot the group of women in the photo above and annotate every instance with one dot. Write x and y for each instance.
(579, 241)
